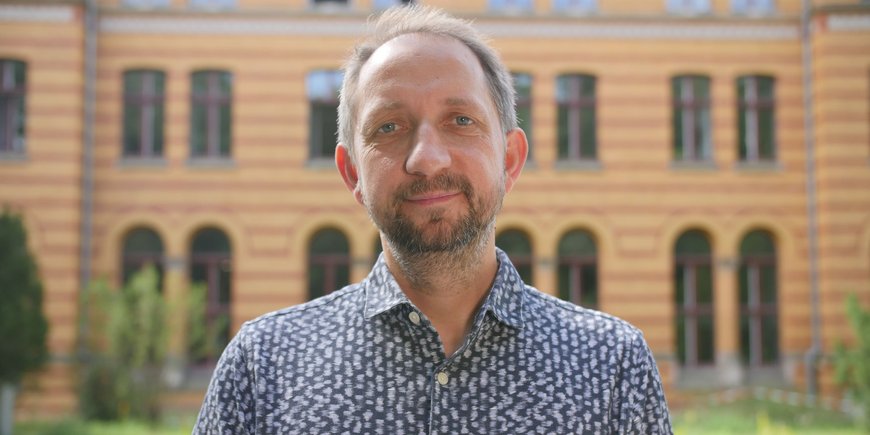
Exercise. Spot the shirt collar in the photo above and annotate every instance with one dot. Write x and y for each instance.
(504, 301)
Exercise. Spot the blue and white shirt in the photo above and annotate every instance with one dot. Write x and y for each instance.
(365, 360)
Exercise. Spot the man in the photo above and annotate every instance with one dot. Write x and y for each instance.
(442, 336)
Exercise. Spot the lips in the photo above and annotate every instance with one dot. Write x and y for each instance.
(431, 198)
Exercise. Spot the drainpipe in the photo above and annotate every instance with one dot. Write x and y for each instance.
(812, 355)
(87, 186)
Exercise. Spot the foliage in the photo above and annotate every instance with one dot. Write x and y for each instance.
(22, 323)
(204, 339)
(852, 365)
(760, 417)
(121, 377)
(75, 427)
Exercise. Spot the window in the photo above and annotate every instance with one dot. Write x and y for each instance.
(580, 6)
(691, 118)
(318, 3)
(145, 4)
(143, 113)
(523, 88)
(575, 95)
(142, 247)
(211, 114)
(752, 7)
(13, 76)
(578, 269)
(693, 279)
(213, 4)
(517, 246)
(328, 263)
(690, 7)
(323, 88)
(211, 265)
(511, 5)
(755, 111)
(384, 4)
(759, 332)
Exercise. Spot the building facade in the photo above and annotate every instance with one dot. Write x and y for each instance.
(700, 168)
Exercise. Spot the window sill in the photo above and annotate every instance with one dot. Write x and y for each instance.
(141, 162)
(320, 163)
(758, 166)
(577, 165)
(13, 156)
(693, 165)
(211, 163)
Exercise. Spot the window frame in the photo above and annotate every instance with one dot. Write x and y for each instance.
(321, 149)
(213, 102)
(754, 310)
(577, 264)
(13, 98)
(330, 262)
(218, 267)
(751, 106)
(694, 117)
(151, 105)
(575, 105)
(524, 262)
(691, 312)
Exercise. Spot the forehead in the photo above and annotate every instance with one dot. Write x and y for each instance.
(424, 56)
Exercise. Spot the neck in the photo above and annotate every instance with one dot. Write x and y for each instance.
(448, 287)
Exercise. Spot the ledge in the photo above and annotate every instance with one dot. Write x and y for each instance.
(141, 162)
(578, 165)
(211, 163)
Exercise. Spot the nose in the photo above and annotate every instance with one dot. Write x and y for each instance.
(429, 154)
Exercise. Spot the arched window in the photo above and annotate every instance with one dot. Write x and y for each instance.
(759, 332)
(693, 279)
(517, 246)
(578, 269)
(142, 246)
(211, 265)
(328, 263)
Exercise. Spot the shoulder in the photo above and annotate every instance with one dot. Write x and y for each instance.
(548, 312)
(336, 308)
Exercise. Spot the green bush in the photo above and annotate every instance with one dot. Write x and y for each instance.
(852, 364)
(121, 373)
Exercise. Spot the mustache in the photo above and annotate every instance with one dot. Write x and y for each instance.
(445, 181)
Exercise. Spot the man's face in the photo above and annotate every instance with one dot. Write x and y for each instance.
(429, 147)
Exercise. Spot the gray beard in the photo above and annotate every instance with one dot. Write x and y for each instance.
(423, 257)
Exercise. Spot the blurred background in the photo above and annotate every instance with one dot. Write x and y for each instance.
(700, 168)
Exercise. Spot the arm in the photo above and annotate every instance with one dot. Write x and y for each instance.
(640, 405)
(228, 407)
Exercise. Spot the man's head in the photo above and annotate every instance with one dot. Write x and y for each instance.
(424, 20)
(431, 157)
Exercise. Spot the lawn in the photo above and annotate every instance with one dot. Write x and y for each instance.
(742, 417)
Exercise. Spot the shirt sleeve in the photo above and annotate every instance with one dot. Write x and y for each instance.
(228, 405)
(640, 400)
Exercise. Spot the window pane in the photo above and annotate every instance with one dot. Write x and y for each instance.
(589, 284)
(756, 243)
(563, 132)
(523, 87)
(681, 338)
(577, 243)
(766, 144)
(769, 340)
(198, 130)
(211, 241)
(587, 140)
(680, 285)
(693, 242)
(564, 273)
(132, 130)
(706, 349)
(323, 88)
(768, 285)
(225, 129)
(744, 339)
(704, 285)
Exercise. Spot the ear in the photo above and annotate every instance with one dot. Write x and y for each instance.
(516, 152)
(348, 171)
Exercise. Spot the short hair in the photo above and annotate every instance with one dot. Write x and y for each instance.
(401, 20)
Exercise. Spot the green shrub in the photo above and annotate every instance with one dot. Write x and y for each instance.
(852, 364)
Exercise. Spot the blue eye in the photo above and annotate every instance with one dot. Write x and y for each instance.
(463, 120)
(387, 128)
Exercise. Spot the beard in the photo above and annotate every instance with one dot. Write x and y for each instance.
(437, 234)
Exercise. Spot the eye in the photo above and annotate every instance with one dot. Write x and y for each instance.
(387, 128)
(464, 120)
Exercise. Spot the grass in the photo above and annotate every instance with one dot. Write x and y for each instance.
(742, 417)
(752, 416)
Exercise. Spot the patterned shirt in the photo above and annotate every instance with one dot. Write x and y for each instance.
(365, 360)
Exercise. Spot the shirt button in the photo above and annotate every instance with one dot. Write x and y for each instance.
(415, 318)
(442, 378)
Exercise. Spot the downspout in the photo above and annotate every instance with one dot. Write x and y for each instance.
(87, 186)
(813, 354)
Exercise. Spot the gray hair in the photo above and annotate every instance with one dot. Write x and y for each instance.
(401, 20)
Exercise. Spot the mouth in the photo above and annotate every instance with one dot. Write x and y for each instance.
(432, 198)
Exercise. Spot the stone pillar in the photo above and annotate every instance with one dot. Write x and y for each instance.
(727, 322)
(175, 291)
